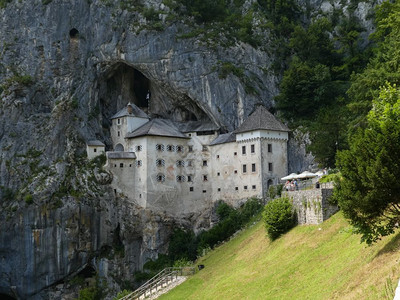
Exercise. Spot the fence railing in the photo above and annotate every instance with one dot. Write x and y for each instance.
(159, 281)
(306, 185)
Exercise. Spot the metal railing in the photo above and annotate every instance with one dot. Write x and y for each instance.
(159, 281)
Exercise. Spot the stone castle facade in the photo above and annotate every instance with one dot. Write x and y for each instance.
(184, 167)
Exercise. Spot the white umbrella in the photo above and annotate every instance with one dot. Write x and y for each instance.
(289, 177)
(305, 175)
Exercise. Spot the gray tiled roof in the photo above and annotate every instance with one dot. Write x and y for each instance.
(121, 155)
(157, 127)
(95, 143)
(196, 126)
(224, 138)
(261, 118)
(137, 112)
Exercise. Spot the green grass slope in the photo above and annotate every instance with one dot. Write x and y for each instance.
(323, 261)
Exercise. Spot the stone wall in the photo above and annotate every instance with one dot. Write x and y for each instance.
(312, 206)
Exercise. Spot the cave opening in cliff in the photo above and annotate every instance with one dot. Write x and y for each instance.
(120, 85)
(74, 33)
(87, 272)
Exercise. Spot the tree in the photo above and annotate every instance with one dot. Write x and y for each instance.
(369, 191)
(384, 66)
(279, 217)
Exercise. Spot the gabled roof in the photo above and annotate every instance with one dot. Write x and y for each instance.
(95, 143)
(157, 127)
(261, 118)
(224, 138)
(136, 112)
(196, 126)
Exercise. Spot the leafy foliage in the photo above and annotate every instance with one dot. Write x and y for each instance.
(279, 217)
(369, 193)
(384, 66)
(313, 89)
(185, 246)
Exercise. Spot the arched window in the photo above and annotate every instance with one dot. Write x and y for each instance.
(180, 178)
(139, 148)
(160, 177)
(170, 148)
(160, 162)
(179, 148)
(269, 183)
(180, 163)
(160, 147)
(119, 147)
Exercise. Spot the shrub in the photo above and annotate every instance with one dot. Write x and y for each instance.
(122, 294)
(28, 199)
(279, 217)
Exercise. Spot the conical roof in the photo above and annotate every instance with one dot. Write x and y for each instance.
(261, 118)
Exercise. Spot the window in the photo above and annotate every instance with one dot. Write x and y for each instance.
(190, 148)
(115, 165)
(218, 174)
(170, 148)
(219, 189)
(270, 148)
(160, 162)
(119, 133)
(160, 177)
(190, 178)
(236, 188)
(191, 189)
(180, 178)
(235, 171)
(121, 165)
(160, 147)
(253, 167)
(189, 134)
(204, 163)
(205, 148)
(245, 187)
(234, 153)
(253, 187)
(244, 168)
(140, 195)
(243, 150)
(180, 163)
(204, 191)
(217, 156)
(179, 148)
(139, 148)
(205, 178)
(130, 165)
(138, 163)
(270, 167)
(190, 163)
(253, 148)
(119, 121)
(95, 150)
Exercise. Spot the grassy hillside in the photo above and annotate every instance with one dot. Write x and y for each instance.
(322, 261)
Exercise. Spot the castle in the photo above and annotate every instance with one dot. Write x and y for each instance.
(183, 167)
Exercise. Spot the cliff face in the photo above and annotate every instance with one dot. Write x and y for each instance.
(65, 68)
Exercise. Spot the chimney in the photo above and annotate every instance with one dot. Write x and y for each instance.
(129, 108)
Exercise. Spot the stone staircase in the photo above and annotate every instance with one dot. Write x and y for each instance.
(161, 283)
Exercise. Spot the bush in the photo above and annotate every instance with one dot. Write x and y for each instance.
(122, 294)
(28, 199)
(279, 217)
